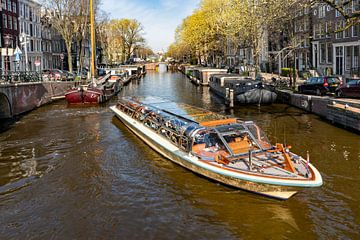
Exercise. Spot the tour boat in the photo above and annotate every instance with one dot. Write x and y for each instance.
(91, 94)
(227, 150)
(246, 90)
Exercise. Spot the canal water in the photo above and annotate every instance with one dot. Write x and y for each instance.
(79, 173)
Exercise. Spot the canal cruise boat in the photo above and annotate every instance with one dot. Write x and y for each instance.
(227, 150)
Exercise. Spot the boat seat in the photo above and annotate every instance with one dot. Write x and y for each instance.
(197, 148)
(201, 150)
(240, 146)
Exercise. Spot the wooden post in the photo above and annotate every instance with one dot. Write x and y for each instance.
(227, 96)
(231, 96)
(92, 25)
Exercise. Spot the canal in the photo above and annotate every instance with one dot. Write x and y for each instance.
(78, 173)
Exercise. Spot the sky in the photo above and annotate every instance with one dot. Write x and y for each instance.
(158, 17)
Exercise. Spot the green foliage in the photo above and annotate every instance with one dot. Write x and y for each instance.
(245, 73)
(285, 72)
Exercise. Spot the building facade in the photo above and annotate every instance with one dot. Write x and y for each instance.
(335, 52)
(9, 34)
(30, 25)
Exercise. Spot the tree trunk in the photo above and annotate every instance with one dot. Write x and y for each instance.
(68, 47)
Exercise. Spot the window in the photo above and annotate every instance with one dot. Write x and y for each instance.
(5, 20)
(316, 31)
(356, 57)
(3, 4)
(339, 25)
(15, 23)
(322, 53)
(321, 30)
(9, 5)
(348, 55)
(348, 32)
(306, 10)
(356, 5)
(14, 8)
(26, 11)
(329, 53)
(322, 11)
(355, 30)
(10, 25)
(306, 25)
(328, 30)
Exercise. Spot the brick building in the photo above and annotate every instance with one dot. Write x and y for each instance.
(334, 52)
(9, 33)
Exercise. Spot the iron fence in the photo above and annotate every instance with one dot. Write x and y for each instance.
(18, 76)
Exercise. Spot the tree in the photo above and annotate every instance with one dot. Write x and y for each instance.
(349, 9)
(120, 38)
(130, 32)
(71, 19)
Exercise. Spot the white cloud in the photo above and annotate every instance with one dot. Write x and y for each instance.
(159, 18)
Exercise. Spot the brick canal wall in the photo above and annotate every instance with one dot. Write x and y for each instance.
(16, 99)
(345, 112)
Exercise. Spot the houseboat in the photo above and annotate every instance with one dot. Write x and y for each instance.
(206, 73)
(119, 75)
(134, 71)
(227, 150)
(246, 90)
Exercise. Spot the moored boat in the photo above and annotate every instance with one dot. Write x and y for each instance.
(227, 150)
(246, 90)
(94, 94)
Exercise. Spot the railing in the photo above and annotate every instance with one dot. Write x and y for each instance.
(34, 76)
(17, 76)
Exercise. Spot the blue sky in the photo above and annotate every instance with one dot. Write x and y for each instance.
(159, 17)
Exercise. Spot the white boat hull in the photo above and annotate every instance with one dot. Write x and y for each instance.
(276, 188)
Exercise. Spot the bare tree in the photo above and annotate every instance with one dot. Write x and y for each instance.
(349, 9)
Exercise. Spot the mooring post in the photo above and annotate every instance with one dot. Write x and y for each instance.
(227, 96)
(231, 96)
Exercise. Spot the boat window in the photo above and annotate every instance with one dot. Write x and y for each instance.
(260, 136)
(240, 142)
(208, 143)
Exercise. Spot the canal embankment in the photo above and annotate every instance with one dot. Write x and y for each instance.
(339, 111)
(19, 98)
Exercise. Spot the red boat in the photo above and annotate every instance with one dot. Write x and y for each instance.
(88, 94)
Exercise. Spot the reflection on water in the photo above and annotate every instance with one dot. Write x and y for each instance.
(78, 172)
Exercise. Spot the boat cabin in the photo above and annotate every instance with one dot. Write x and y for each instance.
(206, 73)
(132, 69)
(204, 133)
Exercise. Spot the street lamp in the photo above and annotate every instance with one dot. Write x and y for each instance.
(7, 39)
(24, 41)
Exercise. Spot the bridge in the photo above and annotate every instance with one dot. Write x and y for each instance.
(18, 98)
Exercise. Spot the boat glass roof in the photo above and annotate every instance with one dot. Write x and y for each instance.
(191, 113)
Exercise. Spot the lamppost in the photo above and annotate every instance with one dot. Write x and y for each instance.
(7, 39)
(24, 41)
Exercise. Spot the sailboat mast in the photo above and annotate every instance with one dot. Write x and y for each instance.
(92, 28)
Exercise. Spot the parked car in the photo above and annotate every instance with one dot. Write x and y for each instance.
(350, 89)
(320, 85)
(69, 76)
(59, 75)
(46, 75)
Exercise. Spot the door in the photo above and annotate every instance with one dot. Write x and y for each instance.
(339, 60)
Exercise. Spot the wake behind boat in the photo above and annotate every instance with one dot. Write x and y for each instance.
(227, 150)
